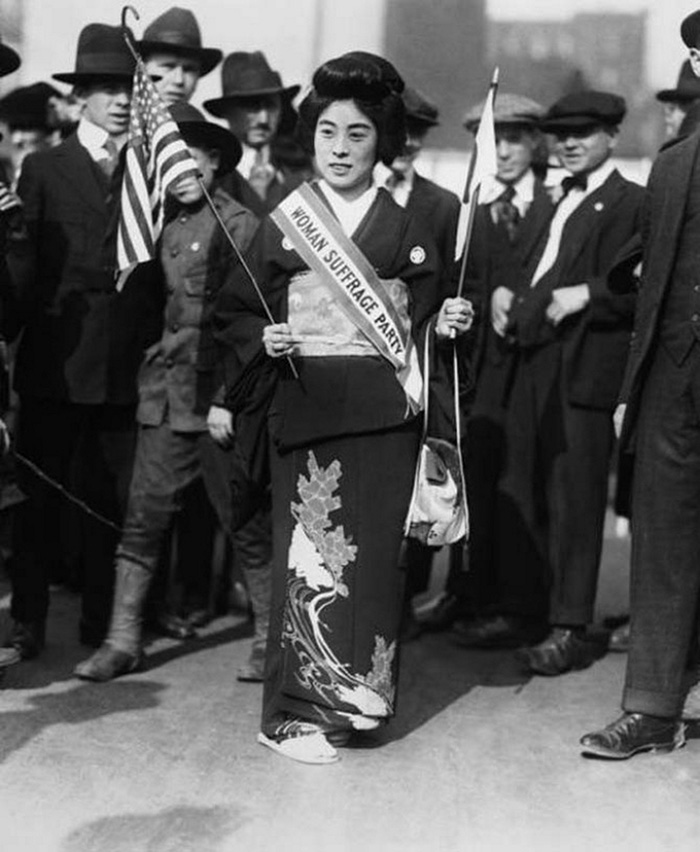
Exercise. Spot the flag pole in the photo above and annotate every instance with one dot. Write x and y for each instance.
(473, 200)
(128, 38)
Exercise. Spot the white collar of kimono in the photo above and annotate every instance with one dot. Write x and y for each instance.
(349, 213)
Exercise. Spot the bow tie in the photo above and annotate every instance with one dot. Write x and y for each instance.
(579, 181)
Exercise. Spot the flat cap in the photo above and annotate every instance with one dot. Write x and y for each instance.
(690, 29)
(508, 109)
(582, 109)
(418, 108)
(687, 87)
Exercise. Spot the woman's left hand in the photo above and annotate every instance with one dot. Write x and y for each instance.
(455, 317)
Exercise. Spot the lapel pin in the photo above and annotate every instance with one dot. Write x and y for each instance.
(598, 206)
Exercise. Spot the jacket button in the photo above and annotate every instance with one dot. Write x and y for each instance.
(168, 362)
(174, 328)
(174, 252)
(695, 317)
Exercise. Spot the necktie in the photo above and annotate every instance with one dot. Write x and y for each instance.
(575, 182)
(507, 214)
(109, 163)
(261, 175)
(395, 180)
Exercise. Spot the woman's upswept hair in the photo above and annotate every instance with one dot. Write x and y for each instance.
(373, 84)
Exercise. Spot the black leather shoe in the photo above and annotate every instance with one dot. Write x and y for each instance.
(497, 631)
(443, 614)
(562, 651)
(633, 733)
(27, 638)
(619, 639)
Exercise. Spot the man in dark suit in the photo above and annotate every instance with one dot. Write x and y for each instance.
(660, 426)
(254, 103)
(571, 334)
(82, 342)
(505, 599)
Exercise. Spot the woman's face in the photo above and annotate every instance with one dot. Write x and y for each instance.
(345, 144)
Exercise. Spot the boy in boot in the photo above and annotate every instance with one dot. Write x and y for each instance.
(174, 445)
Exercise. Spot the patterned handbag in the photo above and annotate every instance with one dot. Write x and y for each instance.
(438, 512)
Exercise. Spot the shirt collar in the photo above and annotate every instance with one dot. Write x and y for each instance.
(92, 138)
(248, 157)
(598, 176)
(524, 189)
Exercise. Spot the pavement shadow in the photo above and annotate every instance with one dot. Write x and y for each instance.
(71, 707)
(177, 829)
(211, 639)
(435, 673)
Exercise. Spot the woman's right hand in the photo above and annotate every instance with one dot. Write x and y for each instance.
(278, 340)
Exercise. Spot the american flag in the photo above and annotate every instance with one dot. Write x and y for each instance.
(156, 157)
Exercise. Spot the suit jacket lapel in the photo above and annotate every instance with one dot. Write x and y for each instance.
(535, 222)
(78, 167)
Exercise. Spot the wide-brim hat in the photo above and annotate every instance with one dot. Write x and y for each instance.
(419, 110)
(687, 87)
(9, 59)
(584, 109)
(247, 75)
(195, 130)
(177, 31)
(508, 109)
(102, 53)
(27, 108)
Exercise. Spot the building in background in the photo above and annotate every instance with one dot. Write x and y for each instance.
(547, 59)
(440, 48)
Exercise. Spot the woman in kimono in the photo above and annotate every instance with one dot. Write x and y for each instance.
(334, 261)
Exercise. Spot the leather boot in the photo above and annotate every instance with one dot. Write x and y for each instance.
(259, 581)
(121, 652)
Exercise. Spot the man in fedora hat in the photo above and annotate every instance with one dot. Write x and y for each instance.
(9, 62)
(174, 446)
(82, 342)
(659, 428)
(26, 111)
(570, 334)
(171, 48)
(678, 103)
(502, 599)
(254, 102)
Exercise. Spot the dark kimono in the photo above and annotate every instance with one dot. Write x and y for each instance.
(343, 452)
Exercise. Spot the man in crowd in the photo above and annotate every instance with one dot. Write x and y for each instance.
(504, 591)
(172, 52)
(9, 62)
(658, 417)
(571, 334)
(82, 342)
(678, 103)
(27, 112)
(253, 102)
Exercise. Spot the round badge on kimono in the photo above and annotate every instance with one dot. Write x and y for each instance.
(287, 244)
(417, 255)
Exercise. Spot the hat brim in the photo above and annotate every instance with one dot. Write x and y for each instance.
(228, 146)
(551, 125)
(78, 79)
(9, 60)
(676, 96)
(422, 120)
(216, 106)
(209, 57)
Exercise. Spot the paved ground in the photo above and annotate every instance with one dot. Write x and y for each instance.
(479, 758)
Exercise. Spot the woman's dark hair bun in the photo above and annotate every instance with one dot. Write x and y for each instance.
(357, 76)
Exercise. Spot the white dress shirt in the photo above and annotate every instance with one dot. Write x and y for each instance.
(93, 139)
(524, 189)
(349, 213)
(249, 156)
(566, 207)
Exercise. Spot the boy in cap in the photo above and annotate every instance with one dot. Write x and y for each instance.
(253, 103)
(659, 426)
(171, 449)
(504, 589)
(171, 48)
(570, 333)
(81, 346)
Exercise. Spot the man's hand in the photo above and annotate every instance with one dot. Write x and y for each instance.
(618, 418)
(501, 302)
(8, 199)
(220, 425)
(567, 301)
